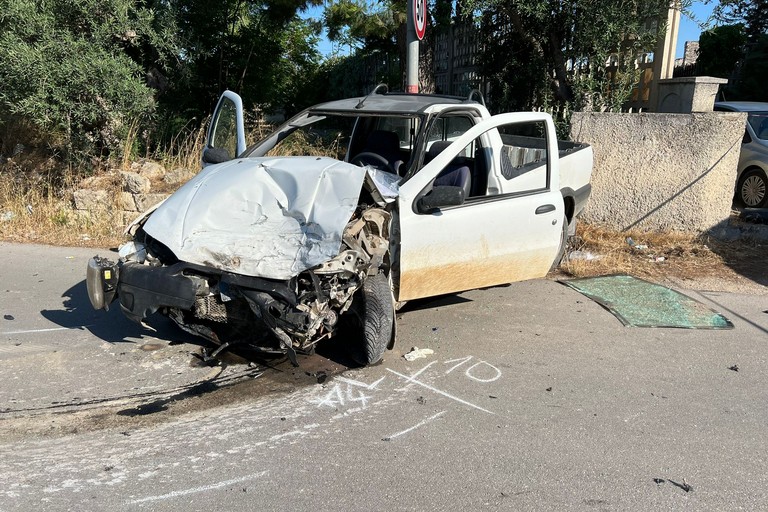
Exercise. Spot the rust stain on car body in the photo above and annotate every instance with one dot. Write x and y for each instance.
(422, 278)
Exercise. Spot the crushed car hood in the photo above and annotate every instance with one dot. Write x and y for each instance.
(264, 217)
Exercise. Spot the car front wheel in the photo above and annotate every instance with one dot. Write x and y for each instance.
(751, 189)
(377, 316)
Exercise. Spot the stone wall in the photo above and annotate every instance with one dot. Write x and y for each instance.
(661, 172)
(127, 194)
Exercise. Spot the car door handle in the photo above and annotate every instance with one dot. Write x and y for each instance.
(545, 208)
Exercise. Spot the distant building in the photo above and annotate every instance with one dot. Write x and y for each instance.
(690, 56)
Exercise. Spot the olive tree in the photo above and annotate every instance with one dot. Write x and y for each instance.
(76, 69)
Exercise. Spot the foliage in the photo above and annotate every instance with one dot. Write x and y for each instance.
(555, 52)
(720, 48)
(73, 68)
(752, 13)
(255, 48)
(753, 75)
(370, 27)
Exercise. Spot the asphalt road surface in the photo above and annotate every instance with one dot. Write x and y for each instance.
(535, 398)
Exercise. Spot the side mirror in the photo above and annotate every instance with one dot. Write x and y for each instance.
(440, 197)
(216, 155)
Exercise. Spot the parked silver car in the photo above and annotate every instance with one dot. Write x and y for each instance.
(753, 164)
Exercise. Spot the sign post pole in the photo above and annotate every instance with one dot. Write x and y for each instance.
(417, 24)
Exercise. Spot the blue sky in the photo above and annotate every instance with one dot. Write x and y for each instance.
(689, 29)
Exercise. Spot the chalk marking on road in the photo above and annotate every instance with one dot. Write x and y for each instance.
(335, 397)
(361, 384)
(462, 361)
(194, 490)
(419, 424)
(413, 380)
(478, 379)
(415, 375)
(468, 371)
(32, 331)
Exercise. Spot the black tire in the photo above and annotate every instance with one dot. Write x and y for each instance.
(377, 315)
(751, 190)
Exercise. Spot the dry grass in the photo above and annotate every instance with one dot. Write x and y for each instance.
(299, 143)
(36, 189)
(41, 211)
(185, 148)
(678, 254)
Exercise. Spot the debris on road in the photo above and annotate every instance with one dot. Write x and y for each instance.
(658, 481)
(418, 353)
(734, 368)
(636, 246)
(583, 256)
(684, 486)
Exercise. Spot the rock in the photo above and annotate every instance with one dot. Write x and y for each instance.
(152, 170)
(100, 182)
(92, 200)
(127, 202)
(146, 201)
(178, 176)
(126, 218)
(134, 183)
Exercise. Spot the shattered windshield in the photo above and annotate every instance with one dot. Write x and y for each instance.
(382, 141)
(326, 136)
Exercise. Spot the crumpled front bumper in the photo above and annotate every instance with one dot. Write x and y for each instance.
(101, 280)
(141, 289)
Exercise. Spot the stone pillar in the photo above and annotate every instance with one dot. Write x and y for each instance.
(687, 94)
(664, 55)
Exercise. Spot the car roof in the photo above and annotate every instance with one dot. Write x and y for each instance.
(392, 103)
(743, 106)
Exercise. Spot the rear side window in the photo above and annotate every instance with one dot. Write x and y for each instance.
(524, 159)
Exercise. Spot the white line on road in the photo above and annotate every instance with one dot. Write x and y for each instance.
(419, 424)
(203, 488)
(439, 392)
(47, 330)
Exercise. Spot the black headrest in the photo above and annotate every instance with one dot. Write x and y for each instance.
(382, 141)
(436, 148)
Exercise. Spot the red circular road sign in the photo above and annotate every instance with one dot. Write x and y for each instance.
(420, 17)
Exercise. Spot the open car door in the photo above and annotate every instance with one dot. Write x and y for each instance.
(226, 134)
(451, 243)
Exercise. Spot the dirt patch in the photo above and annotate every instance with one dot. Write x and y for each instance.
(236, 381)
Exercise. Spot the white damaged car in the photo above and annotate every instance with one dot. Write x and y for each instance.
(389, 198)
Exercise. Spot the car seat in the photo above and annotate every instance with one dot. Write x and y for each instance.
(455, 174)
(387, 145)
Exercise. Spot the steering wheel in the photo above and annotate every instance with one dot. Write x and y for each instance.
(361, 158)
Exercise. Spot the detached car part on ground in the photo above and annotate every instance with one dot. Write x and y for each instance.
(423, 195)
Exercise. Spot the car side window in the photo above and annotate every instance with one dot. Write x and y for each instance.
(523, 160)
(449, 128)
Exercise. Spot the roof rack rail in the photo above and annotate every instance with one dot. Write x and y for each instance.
(376, 90)
(476, 92)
